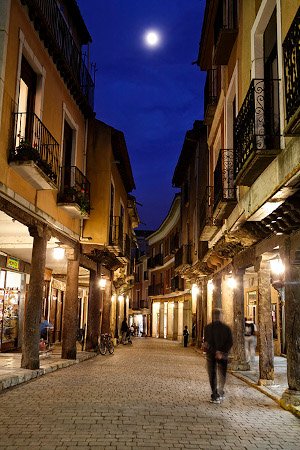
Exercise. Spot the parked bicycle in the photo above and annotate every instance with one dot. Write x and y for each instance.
(105, 345)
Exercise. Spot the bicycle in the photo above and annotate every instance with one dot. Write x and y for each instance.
(105, 344)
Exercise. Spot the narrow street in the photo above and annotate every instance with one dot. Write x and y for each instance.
(153, 394)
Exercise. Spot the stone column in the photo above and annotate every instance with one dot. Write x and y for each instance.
(93, 319)
(106, 307)
(265, 328)
(145, 330)
(175, 321)
(70, 313)
(238, 361)
(33, 306)
(216, 295)
(161, 319)
(292, 319)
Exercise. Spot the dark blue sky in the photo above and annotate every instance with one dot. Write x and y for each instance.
(153, 95)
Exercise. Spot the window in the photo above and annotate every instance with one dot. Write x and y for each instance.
(26, 105)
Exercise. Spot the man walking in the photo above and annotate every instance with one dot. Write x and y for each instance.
(217, 343)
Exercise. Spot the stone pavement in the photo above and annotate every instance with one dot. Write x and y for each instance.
(153, 394)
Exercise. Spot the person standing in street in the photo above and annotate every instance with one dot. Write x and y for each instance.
(250, 340)
(124, 331)
(185, 336)
(217, 344)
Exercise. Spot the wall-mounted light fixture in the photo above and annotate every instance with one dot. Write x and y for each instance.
(231, 282)
(210, 285)
(277, 266)
(102, 283)
(58, 253)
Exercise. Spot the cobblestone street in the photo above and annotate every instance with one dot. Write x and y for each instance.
(153, 394)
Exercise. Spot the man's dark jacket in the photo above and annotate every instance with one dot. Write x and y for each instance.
(218, 337)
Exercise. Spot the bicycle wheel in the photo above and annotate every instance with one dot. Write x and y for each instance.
(102, 348)
(110, 348)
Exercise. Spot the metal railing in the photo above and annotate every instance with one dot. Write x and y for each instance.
(53, 29)
(127, 246)
(291, 56)
(211, 89)
(226, 17)
(183, 256)
(75, 188)
(116, 231)
(206, 207)
(34, 142)
(257, 126)
(224, 188)
(155, 289)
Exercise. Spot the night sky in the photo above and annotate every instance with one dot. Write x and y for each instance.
(152, 94)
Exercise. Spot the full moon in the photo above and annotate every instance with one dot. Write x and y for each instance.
(152, 38)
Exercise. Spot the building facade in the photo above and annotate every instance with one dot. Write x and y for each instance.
(250, 51)
(48, 141)
(170, 295)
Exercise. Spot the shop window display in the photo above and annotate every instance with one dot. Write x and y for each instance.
(10, 283)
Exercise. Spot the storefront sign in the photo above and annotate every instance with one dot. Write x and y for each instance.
(13, 263)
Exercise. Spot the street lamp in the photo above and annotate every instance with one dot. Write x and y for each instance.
(102, 283)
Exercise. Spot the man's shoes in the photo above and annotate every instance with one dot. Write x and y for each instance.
(217, 401)
(222, 397)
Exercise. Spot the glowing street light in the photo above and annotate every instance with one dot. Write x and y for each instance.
(277, 266)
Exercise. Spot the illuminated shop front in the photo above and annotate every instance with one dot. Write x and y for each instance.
(12, 299)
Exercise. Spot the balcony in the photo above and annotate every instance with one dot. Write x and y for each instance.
(183, 256)
(291, 56)
(54, 32)
(144, 304)
(127, 249)
(74, 195)
(224, 190)
(35, 152)
(256, 131)
(177, 284)
(211, 94)
(155, 289)
(207, 225)
(174, 243)
(116, 235)
(225, 31)
(154, 261)
(158, 260)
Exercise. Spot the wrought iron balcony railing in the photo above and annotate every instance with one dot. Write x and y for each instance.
(34, 142)
(75, 189)
(159, 259)
(53, 30)
(257, 131)
(127, 247)
(177, 283)
(155, 289)
(211, 93)
(225, 30)
(150, 262)
(116, 232)
(224, 189)
(183, 256)
(143, 304)
(291, 56)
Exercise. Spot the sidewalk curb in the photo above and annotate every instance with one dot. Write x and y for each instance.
(27, 374)
(288, 407)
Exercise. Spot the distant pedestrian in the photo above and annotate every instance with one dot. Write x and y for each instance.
(45, 327)
(217, 343)
(185, 336)
(250, 340)
(124, 330)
